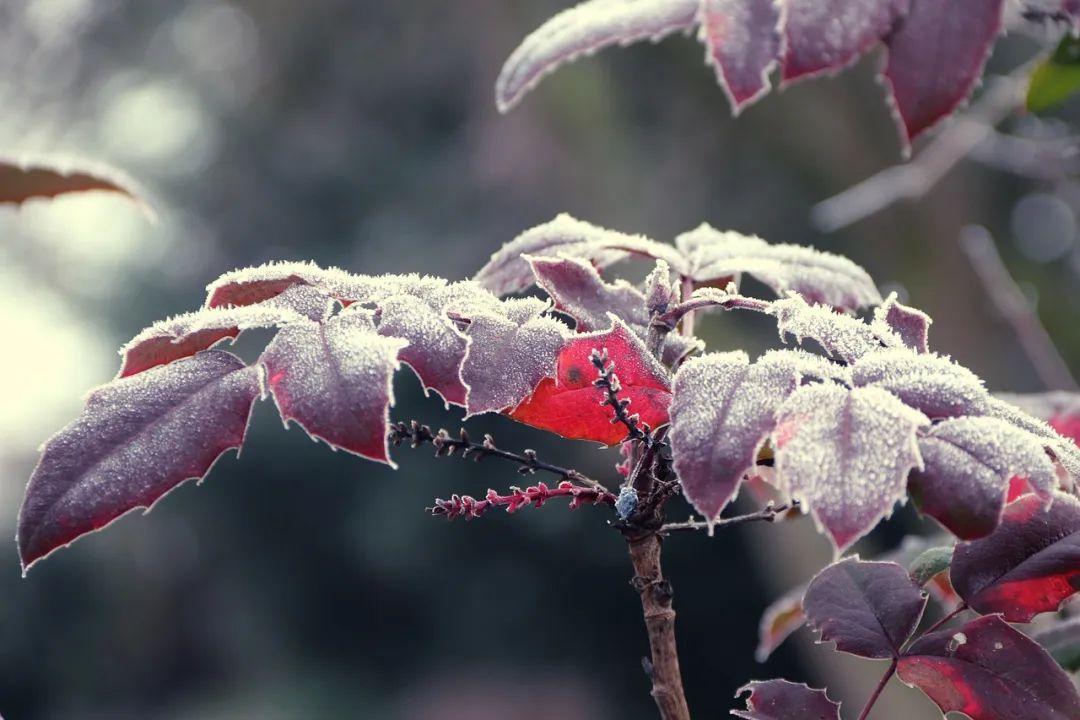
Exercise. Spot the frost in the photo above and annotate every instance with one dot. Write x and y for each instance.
(187, 334)
(335, 380)
(968, 463)
(138, 438)
(578, 290)
(506, 360)
(846, 454)
(743, 40)
(584, 29)
(257, 284)
(840, 335)
(819, 277)
(893, 320)
(828, 35)
(1064, 449)
(508, 271)
(660, 292)
(722, 412)
(936, 57)
(931, 383)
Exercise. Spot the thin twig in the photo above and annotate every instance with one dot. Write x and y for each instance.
(878, 690)
(469, 507)
(1014, 306)
(608, 381)
(766, 514)
(937, 626)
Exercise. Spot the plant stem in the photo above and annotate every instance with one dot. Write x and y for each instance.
(687, 327)
(959, 609)
(656, 596)
(877, 691)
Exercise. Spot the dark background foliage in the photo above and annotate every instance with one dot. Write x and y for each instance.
(300, 583)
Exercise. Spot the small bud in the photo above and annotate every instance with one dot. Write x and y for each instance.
(626, 502)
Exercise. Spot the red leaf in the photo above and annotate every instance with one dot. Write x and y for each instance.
(989, 671)
(936, 57)
(1029, 565)
(137, 439)
(569, 403)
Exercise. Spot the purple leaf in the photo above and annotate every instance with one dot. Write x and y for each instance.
(840, 335)
(335, 379)
(184, 335)
(722, 412)
(508, 355)
(936, 57)
(1064, 450)
(968, 465)
(583, 30)
(137, 439)
(1029, 565)
(783, 617)
(783, 700)
(257, 284)
(825, 36)
(509, 272)
(577, 289)
(743, 41)
(989, 671)
(930, 383)
(868, 609)
(892, 319)
(846, 455)
(819, 277)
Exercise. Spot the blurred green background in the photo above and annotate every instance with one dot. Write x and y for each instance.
(300, 583)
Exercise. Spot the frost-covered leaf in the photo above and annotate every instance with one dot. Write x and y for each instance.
(931, 383)
(568, 403)
(137, 439)
(435, 348)
(577, 289)
(840, 335)
(507, 358)
(508, 270)
(722, 412)
(968, 465)
(1029, 565)
(1061, 410)
(187, 334)
(989, 671)
(660, 291)
(936, 57)
(1064, 449)
(584, 29)
(845, 454)
(820, 277)
(743, 41)
(1062, 641)
(783, 700)
(783, 617)
(335, 379)
(257, 284)
(27, 178)
(868, 609)
(912, 326)
(825, 36)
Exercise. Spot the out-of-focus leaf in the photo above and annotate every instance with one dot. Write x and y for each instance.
(784, 700)
(1057, 78)
(819, 277)
(1062, 641)
(25, 179)
(1058, 408)
(336, 380)
(930, 564)
(1029, 565)
(743, 41)
(989, 671)
(936, 57)
(583, 30)
(969, 463)
(846, 453)
(568, 403)
(783, 617)
(722, 412)
(868, 609)
(137, 439)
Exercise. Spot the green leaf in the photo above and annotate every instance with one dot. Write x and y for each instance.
(1057, 79)
(924, 568)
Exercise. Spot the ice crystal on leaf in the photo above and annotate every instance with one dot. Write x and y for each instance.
(743, 40)
(840, 335)
(823, 36)
(584, 29)
(930, 383)
(723, 411)
(819, 277)
(894, 320)
(969, 463)
(577, 289)
(846, 453)
(335, 380)
(138, 438)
